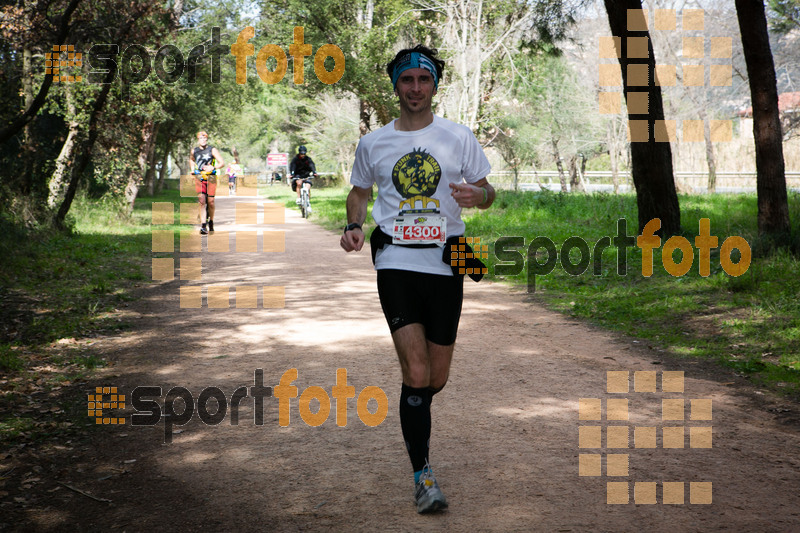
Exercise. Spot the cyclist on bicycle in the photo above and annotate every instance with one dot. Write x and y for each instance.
(299, 169)
(204, 162)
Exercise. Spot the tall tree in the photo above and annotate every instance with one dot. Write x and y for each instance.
(787, 15)
(685, 100)
(474, 33)
(365, 30)
(773, 207)
(78, 151)
(478, 39)
(651, 161)
(548, 110)
(32, 106)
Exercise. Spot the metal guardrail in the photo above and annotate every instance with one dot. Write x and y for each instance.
(602, 180)
(626, 175)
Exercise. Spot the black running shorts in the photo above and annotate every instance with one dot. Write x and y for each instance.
(432, 300)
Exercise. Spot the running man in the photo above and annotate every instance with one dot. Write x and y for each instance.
(299, 169)
(427, 169)
(207, 159)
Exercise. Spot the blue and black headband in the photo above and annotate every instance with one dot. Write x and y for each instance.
(414, 60)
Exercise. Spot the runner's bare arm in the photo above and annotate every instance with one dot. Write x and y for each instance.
(357, 201)
(479, 194)
(219, 163)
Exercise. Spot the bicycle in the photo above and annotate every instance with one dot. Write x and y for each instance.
(305, 200)
(305, 195)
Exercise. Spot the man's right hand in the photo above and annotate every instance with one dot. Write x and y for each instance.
(353, 240)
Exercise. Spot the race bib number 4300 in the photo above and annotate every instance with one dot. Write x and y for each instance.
(419, 229)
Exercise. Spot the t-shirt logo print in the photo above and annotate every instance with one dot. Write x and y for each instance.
(416, 176)
(203, 157)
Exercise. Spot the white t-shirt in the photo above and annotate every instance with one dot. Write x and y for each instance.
(414, 170)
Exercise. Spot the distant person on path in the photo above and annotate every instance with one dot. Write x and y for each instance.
(299, 169)
(427, 169)
(204, 162)
(233, 171)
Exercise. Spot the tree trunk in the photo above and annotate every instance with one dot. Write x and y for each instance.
(536, 177)
(150, 177)
(149, 131)
(711, 159)
(363, 117)
(582, 174)
(84, 151)
(574, 186)
(363, 105)
(183, 166)
(559, 166)
(613, 154)
(516, 178)
(651, 162)
(576, 173)
(28, 148)
(131, 191)
(162, 174)
(59, 182)
(136, 179)
(151, 163)
(773, 208)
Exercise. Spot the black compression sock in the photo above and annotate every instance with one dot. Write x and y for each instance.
(415, 421)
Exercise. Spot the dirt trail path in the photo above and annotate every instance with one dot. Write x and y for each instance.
(506, 429)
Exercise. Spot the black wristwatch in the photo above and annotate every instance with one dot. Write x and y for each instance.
(352, 226)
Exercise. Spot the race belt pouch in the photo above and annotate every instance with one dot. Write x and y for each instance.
(378, 239)
(454, 245)
(461, 258)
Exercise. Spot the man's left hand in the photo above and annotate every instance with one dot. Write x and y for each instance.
(467, 195)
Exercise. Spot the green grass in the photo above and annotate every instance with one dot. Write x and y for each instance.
(65, 286)
(750, 323)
